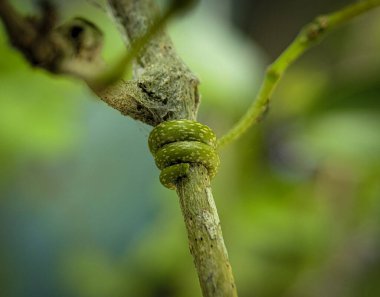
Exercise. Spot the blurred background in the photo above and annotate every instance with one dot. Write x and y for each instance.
(82, 213)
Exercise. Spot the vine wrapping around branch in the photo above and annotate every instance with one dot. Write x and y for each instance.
(309, 36)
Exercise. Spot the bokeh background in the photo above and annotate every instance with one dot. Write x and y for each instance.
(82, 213)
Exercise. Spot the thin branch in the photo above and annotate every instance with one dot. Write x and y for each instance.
(170, 88)
(205, 236)
(309, 36)
(168, 81)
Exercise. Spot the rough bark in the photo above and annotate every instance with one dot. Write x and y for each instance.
(205, 234)
(164, 76)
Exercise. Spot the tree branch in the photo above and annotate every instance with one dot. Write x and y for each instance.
(170, 86)
(205, 236)
(309, 37)
(163, 75)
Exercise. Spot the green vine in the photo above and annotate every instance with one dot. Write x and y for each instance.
(309, 36)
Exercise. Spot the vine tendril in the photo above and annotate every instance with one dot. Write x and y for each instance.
(176, 144)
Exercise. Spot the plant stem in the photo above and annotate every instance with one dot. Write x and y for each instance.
(205, 234)
(309, 36)
(162, 75)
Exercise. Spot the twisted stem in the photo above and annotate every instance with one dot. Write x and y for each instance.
(309, 36)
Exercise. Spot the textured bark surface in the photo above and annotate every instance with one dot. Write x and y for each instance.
(169, 88)
(172, 91)
(205, 234)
